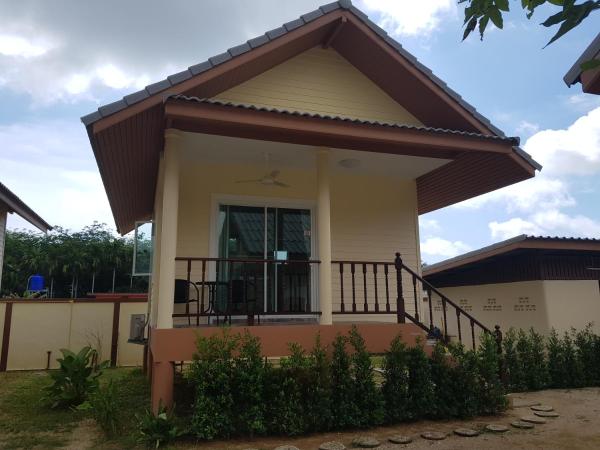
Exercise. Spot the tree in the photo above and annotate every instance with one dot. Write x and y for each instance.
(479, 13)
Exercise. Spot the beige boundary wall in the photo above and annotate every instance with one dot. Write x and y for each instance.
(29, 329)
(543, 305)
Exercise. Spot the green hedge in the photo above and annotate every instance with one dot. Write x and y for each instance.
(238, 392)
(533, 362)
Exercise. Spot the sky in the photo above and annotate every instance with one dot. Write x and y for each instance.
(60, 60)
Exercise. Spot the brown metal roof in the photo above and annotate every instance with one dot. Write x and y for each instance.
(16, 205)
(521, 242)
(592, 51)
(127, 136)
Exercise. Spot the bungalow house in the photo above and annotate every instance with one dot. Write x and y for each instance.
(589, 79)
(10, 203)
(284, 179)
(526, 281)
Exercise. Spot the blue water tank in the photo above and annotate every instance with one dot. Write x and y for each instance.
(36, 283)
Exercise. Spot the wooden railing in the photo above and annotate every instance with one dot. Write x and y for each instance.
(224, 288)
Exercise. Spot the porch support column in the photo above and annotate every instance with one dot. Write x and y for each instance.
(168, 232)
(324, 235)
(3, 215)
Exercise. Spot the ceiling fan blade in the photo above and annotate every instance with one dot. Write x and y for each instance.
(280, 184)
(249, 181)
(593, 268)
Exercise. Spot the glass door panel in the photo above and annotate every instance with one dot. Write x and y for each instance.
(263, 233)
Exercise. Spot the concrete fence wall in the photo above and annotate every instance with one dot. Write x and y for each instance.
(32, 332)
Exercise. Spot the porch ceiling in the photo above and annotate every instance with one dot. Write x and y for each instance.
(213, 149)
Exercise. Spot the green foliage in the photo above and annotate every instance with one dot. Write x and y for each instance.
(249, 385)
(71, 259)
(342, 389)
(478, 14)
(75, 379)
(557, 370)
(105, 409)
(367, 397)
(421, 398)
(574, 374)
(157, 430)
(490, 393)
(588, 355)
(395, 384)
(318, 389)
(212, 374)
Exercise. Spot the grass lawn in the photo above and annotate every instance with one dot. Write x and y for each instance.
(27, 423)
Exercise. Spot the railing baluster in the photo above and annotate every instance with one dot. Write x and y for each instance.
(229, 297)
(458, 325)
(387, 288)
(307, 278)
(364, 271)
(375, 282)
(430, 309)
(342, 306)
(400, 311)
(352, 271)
(445, 319)
(203, 286)
(414, 282)
(473, 333)
(187, 287)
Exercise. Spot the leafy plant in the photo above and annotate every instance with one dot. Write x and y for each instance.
(249, 382)
(367, 395)
(420, 400)
(490, 391)
(342, 387)
(105, 409)
(75, 379)
(395, 384)
(479, 13)
(557, 370)
(157, 430)
(587, 355)
(318, 389)
(212, 374)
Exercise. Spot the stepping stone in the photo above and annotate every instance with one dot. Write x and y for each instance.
(287, 447)
(542, 408)
(533, 419)
(365, 442)
(400, 439)
(433, 435)
(496, 428)
(333, 445)
(546, 414)
(466, 432)
(522, 425)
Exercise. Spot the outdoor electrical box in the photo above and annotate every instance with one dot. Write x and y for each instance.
(136, 328)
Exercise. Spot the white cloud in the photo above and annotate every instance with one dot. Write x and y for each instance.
(68, 51)
(430, 225)
(410, 18)
(582, 102)
(436, 246)
(18, 46)
(50, 166)
(549, 222)
(527, 128)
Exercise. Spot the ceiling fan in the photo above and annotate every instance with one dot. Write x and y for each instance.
(270, 177)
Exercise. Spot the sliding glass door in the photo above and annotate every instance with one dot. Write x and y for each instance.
(277, 240)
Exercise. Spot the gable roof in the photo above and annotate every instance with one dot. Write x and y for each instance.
(130, 131)
(16, 205)
(176, 79)
(521, 242)
(592, 51)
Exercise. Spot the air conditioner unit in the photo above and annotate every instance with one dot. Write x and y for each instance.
(136, 329)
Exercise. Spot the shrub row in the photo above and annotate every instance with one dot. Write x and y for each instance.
(533, 361)
(238, 392)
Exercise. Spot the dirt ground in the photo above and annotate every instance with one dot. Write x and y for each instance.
(578, 427)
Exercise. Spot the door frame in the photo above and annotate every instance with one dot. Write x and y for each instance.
(267, 202)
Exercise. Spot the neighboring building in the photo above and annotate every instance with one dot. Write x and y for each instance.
(10, 203)
(589, 79)
(526, 281)
(284, 174)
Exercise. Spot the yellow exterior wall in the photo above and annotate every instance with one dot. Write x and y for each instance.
(39, 327)
(542, 305)
(319, 81)
(372, 217)
(572, 303)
